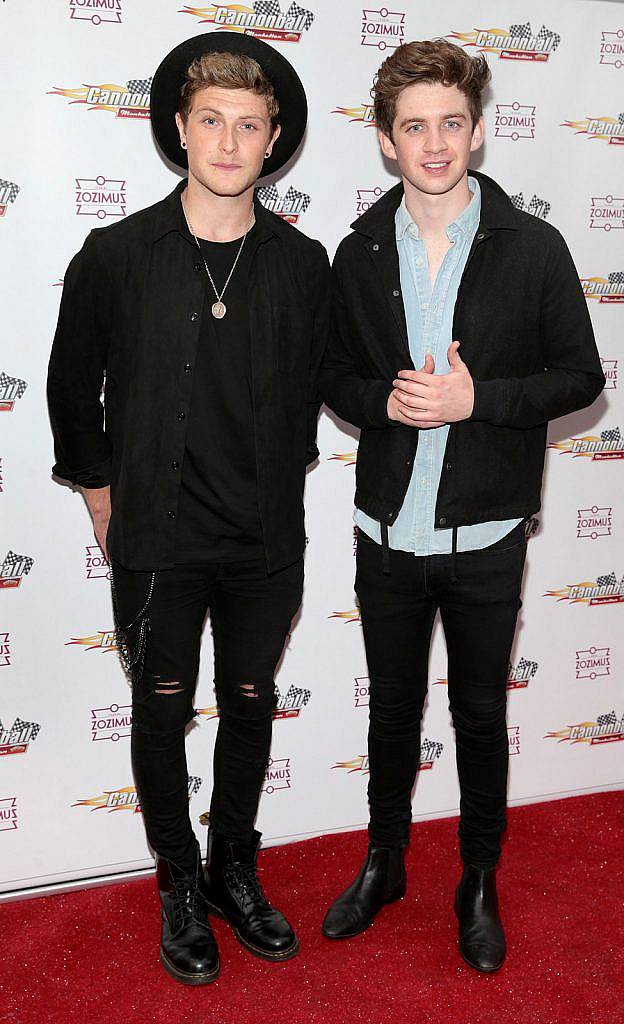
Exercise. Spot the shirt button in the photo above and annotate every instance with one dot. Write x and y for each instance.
(480, 236)
(175, 464)
(194, 316)
(171, 514)
(448, 466)
(396, 293)
(442, 520)
(418, 263)
(181, 415)
(197, 267)
(375, 247)
(187, 367)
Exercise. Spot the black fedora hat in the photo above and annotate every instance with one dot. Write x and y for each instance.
(170, 77)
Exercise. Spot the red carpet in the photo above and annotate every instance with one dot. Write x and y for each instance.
(92, 956)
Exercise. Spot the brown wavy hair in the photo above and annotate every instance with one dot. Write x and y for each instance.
(428, 60)
(229, 71)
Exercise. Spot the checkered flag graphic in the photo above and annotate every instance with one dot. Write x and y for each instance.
(611, 435)
(12, 190)
(5, 381)
(19, 727)
(268, 193)
(609, 719)
(430, 749)
(194, 782)
(621, 118)
(616, 277)
(297, 696)
(538, 207)
(528, 667)
(607, 580)
(545, 35)
(524, 31)
(295, 11)
(267, 8)
(139, 84)
(12, 560)
(292, 196)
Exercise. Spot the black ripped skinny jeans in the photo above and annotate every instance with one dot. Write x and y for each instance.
(250, 614)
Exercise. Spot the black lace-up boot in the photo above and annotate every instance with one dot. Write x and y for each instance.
(381, 880)
(188, 950)
(481, 936)
(234, 892)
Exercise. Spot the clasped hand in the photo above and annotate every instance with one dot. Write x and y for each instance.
(422, 398)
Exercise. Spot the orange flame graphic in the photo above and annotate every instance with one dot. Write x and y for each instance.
(349, 458)
(97, 803)
(355, 765)
(95, 641)
(351, 616)
(563, 594)
(363, 113)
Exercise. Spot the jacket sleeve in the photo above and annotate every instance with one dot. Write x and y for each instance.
(76, 371)
(356, 399)
(320, 300)
(572, 377)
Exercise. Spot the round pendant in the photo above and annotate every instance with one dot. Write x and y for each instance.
(219, 310)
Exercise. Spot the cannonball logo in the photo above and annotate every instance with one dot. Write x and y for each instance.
(263, 19)
(127, 101)
(104, 640)
(605, 589)
(603, 447)
(11, 390)
(362, 114)
(606, 128)
(607, 728)
(14, 569)
(605, 290)
(289, 207)
(518, 42)
(17, 738)
(126, 798)
(9, 192)
(536, 206)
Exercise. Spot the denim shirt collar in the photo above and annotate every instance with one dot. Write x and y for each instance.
(465, 224)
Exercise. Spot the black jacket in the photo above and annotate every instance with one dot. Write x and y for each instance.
(526, 339)
(133, 301)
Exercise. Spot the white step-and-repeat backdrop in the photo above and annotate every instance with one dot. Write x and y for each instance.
(77, 153)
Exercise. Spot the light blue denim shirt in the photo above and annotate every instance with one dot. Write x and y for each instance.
(429, 315)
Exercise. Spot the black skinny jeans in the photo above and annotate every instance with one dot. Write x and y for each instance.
(250, 614)
(478, 611)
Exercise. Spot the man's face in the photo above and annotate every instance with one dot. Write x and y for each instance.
(228, 132)
(432, 136)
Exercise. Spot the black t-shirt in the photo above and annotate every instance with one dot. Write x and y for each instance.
(218, 515)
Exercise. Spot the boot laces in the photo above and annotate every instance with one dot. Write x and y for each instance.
(245, 878)
(187, 902)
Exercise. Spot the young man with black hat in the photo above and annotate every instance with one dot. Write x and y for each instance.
(444, 274)
(207, 314)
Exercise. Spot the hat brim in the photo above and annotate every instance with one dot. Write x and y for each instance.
(170, 77)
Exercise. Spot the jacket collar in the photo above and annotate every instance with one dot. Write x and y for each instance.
(497, 210)
(170, 217)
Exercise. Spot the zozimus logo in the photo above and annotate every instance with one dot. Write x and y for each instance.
(96, 11)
